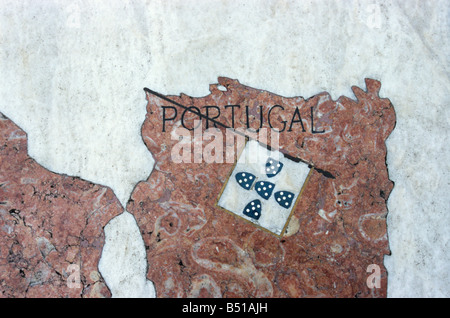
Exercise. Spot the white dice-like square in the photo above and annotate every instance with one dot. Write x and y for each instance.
(270, 190)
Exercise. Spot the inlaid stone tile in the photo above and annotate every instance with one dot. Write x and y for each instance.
(332, 151)
(249, 193)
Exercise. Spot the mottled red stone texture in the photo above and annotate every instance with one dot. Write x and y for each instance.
(48, 221)
(338, 227)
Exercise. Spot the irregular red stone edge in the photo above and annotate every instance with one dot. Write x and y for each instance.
(51, 226)
(373, 87)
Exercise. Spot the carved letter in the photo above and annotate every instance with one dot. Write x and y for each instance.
(296, 121)
(232, 113)
(284, 122)
(164, 116)
(207, 115)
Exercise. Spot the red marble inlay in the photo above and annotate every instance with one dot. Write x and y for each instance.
(337, 229)
(51, 226)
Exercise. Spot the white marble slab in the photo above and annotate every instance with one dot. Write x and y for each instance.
(72, 75)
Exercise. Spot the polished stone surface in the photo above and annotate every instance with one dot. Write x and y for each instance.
(73, 73)
(51, 226)
(338, 227)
